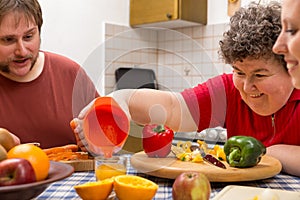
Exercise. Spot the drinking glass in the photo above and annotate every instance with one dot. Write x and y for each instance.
(110, 167)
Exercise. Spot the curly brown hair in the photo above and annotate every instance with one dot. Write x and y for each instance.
(253, 31)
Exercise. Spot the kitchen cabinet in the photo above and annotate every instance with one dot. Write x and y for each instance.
(167, 13)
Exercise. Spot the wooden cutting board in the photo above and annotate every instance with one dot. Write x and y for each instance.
(170, 167)
(81, 165)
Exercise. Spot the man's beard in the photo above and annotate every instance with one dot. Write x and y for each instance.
(4, 66)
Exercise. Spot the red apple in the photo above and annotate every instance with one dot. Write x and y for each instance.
(191, 186)
(15, 171)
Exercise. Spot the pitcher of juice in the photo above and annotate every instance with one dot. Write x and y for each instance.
(106, 127)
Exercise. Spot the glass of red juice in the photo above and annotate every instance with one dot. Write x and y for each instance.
(106, 127)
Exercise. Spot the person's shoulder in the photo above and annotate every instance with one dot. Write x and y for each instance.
(223, 79)
(226, 76)
(55, 59)
(227, 79)
(229, 85)
(295, 95)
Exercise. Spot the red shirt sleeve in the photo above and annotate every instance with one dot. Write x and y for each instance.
(207, 102)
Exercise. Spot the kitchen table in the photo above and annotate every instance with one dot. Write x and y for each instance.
(64, 189)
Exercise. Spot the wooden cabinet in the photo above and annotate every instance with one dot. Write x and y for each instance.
(167, 13)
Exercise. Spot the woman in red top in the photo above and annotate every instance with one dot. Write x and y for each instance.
(258, 99)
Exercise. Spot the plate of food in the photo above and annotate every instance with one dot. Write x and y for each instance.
(170, 167)
(57, 171)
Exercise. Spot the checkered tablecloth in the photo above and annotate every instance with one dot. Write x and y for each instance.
(64, 189)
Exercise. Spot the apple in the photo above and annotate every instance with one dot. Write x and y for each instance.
(191, 186)
(15, 171)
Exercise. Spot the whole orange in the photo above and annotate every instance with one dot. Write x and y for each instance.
(35, 155)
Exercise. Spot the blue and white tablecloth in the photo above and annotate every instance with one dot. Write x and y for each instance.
(64, 189)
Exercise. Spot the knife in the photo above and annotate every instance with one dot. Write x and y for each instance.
(211, 159)
(206, 157)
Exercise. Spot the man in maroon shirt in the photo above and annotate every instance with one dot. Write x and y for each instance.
(40, 92)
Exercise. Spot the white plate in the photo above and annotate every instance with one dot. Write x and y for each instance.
(232, 192)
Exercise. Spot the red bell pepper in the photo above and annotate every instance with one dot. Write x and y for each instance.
(157, 140)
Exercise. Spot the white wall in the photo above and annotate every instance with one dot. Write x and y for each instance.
(217, 11)
(75, 28)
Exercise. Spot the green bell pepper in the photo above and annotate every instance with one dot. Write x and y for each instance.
(243, 151)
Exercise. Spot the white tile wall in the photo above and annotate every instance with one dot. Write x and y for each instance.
(181, 57)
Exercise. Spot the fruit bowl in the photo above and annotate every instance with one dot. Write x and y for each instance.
(57, 171)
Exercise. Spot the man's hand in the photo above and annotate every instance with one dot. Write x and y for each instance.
(77, 127)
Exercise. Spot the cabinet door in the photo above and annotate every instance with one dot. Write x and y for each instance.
(151, 11)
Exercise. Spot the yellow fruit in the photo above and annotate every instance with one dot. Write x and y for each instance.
(98, 190)
(35, 155)
(197, 159)
(3, 153)
(134, 188)
(221, 154)
(6, 140)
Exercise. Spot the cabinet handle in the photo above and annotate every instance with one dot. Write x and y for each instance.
(169, 16)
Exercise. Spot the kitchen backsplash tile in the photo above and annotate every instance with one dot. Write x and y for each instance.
(180, 58)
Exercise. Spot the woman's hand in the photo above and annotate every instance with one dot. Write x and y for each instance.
(287, 155)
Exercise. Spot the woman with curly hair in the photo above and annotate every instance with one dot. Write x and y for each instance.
(288, 42)
(257, 99)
